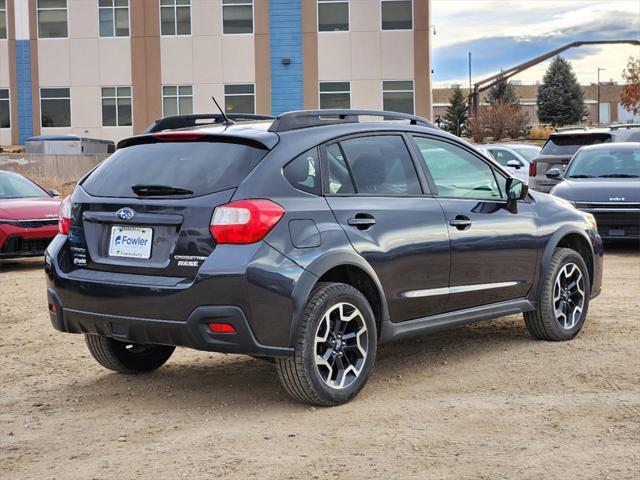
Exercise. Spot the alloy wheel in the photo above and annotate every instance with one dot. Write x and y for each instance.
(569, 296)
(341, 344)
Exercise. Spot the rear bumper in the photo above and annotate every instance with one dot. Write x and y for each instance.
(193, 332)
(252, 287)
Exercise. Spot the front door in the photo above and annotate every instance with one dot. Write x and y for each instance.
(374, 192)
(494, 252)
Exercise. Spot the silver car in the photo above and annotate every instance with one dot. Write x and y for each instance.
(514, 157)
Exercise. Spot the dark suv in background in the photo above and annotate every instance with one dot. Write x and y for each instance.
(562, 145)
(310, 238)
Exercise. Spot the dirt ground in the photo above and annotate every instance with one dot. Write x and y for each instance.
(479, 402)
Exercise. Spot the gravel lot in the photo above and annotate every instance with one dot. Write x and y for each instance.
(479, 402)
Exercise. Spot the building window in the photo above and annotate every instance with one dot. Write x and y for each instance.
(396, 14)
(237, 16)
(55, 105)
(333, 15)
(3, 19)
(335, 95)
(114, 18)
(240, 98)
(5, 115)
(52, 19)
(177, 100)
(397, 96)
(116, 107)
(175, 17)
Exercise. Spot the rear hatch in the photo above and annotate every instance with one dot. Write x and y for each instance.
(147, 209)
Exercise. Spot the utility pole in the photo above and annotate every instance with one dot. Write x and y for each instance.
(470, 86)
(598, 94)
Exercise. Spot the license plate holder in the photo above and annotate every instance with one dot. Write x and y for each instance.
(616, 232)
(130, 242)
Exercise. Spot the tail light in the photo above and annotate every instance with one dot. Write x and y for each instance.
(244, 221)
(533, 169)
(64, 216)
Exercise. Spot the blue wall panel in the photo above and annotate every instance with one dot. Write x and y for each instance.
(285, 19)
(23, 74)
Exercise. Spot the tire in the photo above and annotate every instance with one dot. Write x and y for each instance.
(566, 268)
(126, 357)
(349, 351)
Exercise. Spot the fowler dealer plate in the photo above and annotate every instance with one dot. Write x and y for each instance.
(130, 242)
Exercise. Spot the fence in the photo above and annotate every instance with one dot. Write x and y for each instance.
(61, 168)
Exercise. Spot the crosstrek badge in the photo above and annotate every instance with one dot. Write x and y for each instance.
(130, 242)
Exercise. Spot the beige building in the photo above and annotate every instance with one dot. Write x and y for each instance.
(611, 111)
(109, 68)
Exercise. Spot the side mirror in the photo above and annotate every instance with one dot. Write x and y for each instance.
(514, 164)
(53, 192)
(553, 174)
(516, 190)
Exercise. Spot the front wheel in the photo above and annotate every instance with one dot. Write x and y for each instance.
(125, 357)
(564, 298)
(335, 349)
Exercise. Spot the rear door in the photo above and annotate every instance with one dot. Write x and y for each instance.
(493, 251)
(147, 209)
(375, 193)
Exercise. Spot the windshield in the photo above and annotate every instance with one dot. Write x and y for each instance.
(16, 186)
(176, 168)
(527, 153)
(570, 144)
(609, 163)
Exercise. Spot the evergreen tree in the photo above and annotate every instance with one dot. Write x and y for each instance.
(503, 92)
(560, 97)
(456, 114)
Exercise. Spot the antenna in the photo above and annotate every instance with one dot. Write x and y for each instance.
(227, 120)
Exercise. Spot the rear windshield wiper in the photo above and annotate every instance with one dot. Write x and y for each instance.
(619, 175)
(159, 190)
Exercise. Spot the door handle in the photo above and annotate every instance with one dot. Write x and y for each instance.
(461, 222)
(362, 221)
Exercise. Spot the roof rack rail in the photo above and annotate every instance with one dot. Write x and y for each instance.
(314, 118)
(620, 126)
(185, 121)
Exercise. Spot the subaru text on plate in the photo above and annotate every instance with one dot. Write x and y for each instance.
(310, 238)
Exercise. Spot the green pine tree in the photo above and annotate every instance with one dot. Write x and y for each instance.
(503, 92)
(560, 97)
(456, 114)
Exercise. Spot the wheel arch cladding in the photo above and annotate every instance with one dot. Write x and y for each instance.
(575, 240)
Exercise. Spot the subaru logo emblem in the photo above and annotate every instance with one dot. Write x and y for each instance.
(125, 213)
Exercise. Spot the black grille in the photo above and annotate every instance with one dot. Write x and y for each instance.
(18, 246)
(37, 223)
(607, 205)
(618, 222)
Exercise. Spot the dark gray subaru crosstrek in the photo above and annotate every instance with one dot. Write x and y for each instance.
(310, 238)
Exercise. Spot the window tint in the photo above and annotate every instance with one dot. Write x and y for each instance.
(333, 15)
(340, 180)
(397, 14)
(116, 107)
(55, 107)
(202, 167)
(304, 172)
(237, 16)
(397, 96)
(335, 95)
(380, 165)
(240, 98)
(175, 17)
(503, 157)
(458, 173)
(5, 115)
(113, 18)
(52, 19)
(570, 144)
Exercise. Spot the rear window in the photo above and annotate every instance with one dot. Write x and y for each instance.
(201, 167)
(570, 144)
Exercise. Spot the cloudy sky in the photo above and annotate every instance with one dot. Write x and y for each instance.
(503, 33)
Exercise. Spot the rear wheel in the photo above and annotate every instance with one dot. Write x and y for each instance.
(335, 349)
(564, 298)
(125, 357)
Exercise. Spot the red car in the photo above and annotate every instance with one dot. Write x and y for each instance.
(28, 216)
